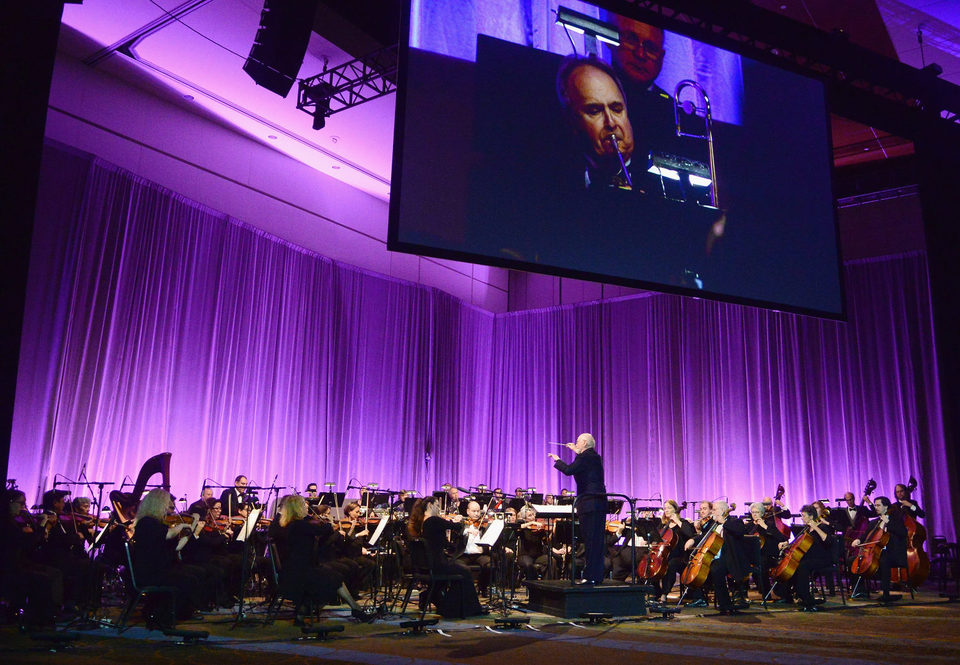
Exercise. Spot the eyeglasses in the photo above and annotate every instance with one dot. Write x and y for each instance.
(647, 47)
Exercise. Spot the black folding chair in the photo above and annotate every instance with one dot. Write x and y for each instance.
(422, 572)
(137, 593)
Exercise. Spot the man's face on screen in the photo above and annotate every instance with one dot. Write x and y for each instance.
(599, 112)
(640, 54)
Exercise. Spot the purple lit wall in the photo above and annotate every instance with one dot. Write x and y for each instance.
(155, 324)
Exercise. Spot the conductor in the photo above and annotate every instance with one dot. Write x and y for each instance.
(587, 470)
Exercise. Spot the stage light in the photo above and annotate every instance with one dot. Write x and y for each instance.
(587, 25)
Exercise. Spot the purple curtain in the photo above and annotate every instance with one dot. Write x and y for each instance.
(155, 324)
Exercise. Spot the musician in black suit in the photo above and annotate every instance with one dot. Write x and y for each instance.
(894, 555)
(587, 470)
(235, 500)
(732, 559)
(766, 539)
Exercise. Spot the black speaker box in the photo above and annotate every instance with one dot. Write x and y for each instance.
(277, 52)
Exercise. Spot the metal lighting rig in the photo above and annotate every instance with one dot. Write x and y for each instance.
(347, 85)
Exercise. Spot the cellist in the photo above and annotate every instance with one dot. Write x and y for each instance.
(817, 557)
(769, 536)
(682, 531)
(731, 559)
(894, 555)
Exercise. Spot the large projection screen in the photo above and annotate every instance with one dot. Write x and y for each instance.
(523, 143)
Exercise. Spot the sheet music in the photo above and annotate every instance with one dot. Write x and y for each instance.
(379, 530)
(553, 511)
(494, 529)
(249, 525)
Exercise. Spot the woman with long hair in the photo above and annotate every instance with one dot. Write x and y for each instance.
(299, 571)
(155, 562)
(459, 598)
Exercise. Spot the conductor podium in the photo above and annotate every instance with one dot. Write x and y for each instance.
(561, 599)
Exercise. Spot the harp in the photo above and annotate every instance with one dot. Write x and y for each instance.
(124, 503)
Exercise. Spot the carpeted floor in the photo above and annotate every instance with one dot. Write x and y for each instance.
(923, 630)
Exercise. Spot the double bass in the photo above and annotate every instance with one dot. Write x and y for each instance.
(918, 561)
(858, 531)
(775, 513)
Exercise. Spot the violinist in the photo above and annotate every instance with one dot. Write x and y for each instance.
(682, 532)
(199, 507)
(704, 521)
(85, 521)
(460, 599)
(532, 551)
(907, 504)
(817, 557)
(894, 555)
(766, 548)
(210, 550)
(24, 582)
(154, 558)
(64, 548)
(300, 572)
(732, 559)
(474, 554)
(351, 550)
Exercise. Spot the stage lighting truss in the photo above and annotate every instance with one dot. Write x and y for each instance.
(348, 85)
(843, 66)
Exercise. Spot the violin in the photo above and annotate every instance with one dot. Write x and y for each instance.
(536, 526)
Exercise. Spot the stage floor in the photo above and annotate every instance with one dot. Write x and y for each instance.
(925, 630)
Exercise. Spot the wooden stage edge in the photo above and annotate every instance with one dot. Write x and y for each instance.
(561, 599)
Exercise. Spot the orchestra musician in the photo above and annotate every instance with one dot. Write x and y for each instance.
(816, 558)
(474, 554)
(235, 501)
(209, 548)
(200, 507)
(907, 504)
(154, 558)
(452, 502)
(587, 470)
(63, 547)
(682, 532)
(300, 572)
(851, 520)
(894, 555)
(766, 547)
(460, 597)
(703, 524)
(732, 559)
(25, 582)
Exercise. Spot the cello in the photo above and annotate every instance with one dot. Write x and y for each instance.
(918, 561)
(792, 556)
(697, 571)
(867, 560)
(654, 563)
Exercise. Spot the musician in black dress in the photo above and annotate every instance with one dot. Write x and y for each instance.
(731, 559)
(591, 506)
(153, 551)
(296, 539)
(894, 555)
(459, 598)
(817, 557)
(682, 532)
(763, 540)
(24, 581)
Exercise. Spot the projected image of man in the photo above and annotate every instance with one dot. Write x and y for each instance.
(595, 107)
